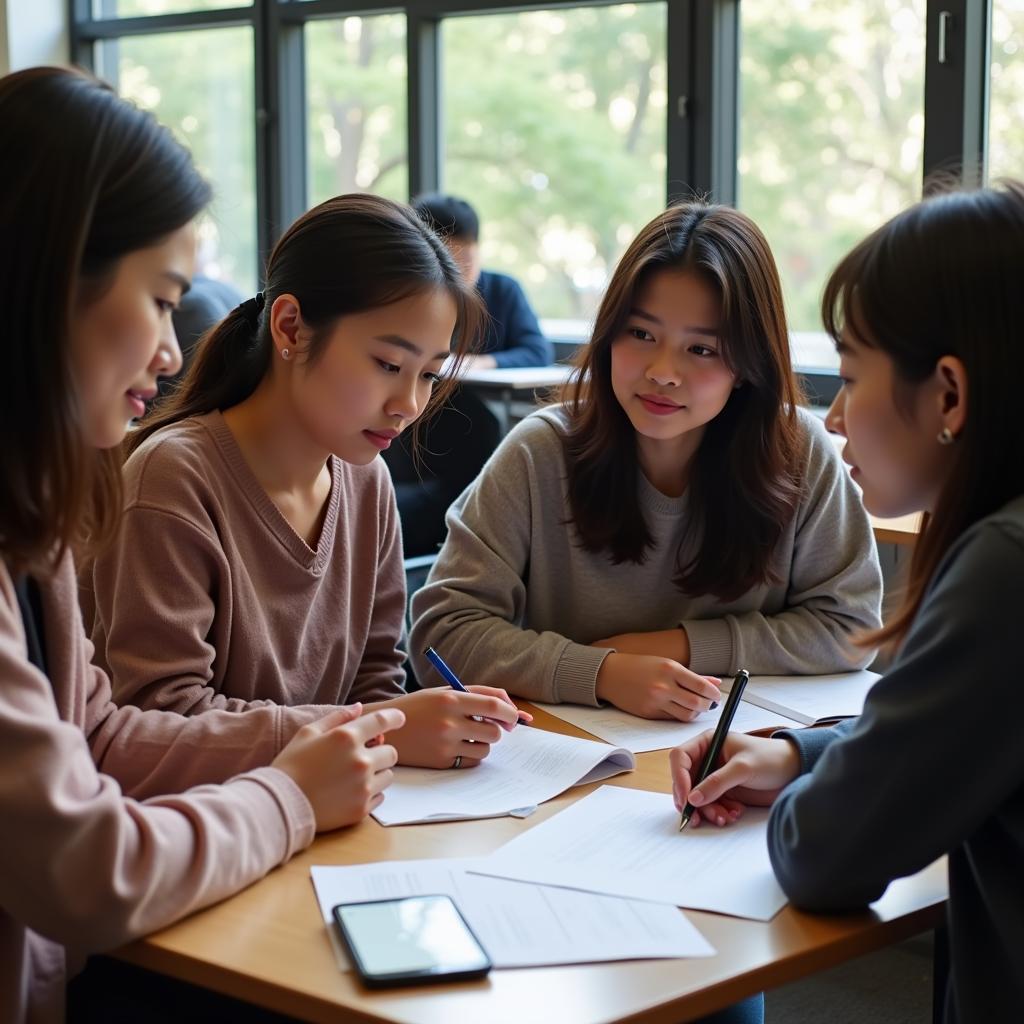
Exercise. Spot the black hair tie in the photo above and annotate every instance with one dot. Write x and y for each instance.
(252, 308)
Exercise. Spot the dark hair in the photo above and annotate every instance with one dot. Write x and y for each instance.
(87, 179)
(744, 483)
(449, 216)
(943, 278)
(347, 255)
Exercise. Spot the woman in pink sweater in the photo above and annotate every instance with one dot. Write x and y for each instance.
(115, 821)
(259, 558)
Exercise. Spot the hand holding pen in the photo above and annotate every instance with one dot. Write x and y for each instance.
(718, 739)
(455, 683)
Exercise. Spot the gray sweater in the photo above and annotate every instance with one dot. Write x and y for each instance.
(513, 600)
(934, 765)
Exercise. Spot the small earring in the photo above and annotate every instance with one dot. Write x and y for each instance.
(945, 436)
(286, 353)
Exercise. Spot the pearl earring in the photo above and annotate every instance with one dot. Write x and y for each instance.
(945, 436)
(286, 353)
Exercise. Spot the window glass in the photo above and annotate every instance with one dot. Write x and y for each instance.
(554, 130)
(831, 136)
(1006, 100)
(200, 84)
(355, 90)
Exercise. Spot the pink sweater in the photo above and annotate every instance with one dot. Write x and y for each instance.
(209, 598)
(96, 849)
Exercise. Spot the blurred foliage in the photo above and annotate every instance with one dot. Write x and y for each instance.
(554, 127)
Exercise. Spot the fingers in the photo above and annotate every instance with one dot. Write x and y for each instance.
(472, 751)
(683, 761)
(381, 758)
(478, 732)
(483, 706)
(732, 774)
(340, 716)
(373, 723)
(695, 692)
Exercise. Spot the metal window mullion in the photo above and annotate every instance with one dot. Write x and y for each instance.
(268, 200)
(703, 89)
(423, 91)
(958, 35)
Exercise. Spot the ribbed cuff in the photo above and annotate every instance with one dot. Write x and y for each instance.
(810, 744)
(576, 674)
(297, 811)
(711, 646)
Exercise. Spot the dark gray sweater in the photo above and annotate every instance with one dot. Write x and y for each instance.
(934, 765)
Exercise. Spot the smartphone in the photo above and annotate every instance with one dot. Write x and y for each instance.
(410, 941)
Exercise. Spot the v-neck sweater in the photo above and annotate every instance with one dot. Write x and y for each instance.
(209, 598)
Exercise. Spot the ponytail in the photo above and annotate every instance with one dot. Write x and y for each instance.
(231, 359)
(350, 254)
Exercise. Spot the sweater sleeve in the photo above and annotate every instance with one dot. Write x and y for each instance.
(380, 675)
(92, 868)
(474, 601)
(930, 758)
(834, 586)
(523, 342)
(159, 586)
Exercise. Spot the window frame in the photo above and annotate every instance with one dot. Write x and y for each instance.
(701, 127)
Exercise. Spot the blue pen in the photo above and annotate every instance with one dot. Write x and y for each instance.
(456, 684)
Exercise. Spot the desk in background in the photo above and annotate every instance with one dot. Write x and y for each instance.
(269, 944)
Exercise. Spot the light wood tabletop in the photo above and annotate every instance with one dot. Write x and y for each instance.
(269, 944)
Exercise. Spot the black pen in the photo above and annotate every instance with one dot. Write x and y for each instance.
(739, 684)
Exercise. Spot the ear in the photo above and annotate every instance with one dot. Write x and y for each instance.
(951, 392)
(286, 323)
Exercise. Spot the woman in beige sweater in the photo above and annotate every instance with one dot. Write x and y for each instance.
(116, 821)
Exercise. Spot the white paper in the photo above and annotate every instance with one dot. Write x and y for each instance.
(626, 842)
(809, 699)
(520, 924)
(525, 767)
(640, 734)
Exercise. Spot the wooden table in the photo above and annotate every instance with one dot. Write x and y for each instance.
(269, 944)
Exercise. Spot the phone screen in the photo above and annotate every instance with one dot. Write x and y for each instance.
(418, 936)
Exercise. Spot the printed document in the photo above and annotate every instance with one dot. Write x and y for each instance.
(524, 768)
(519, 924)
(810, 699)
(626, 842)
(640, 734)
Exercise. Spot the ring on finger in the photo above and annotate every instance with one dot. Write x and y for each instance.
(457, 763)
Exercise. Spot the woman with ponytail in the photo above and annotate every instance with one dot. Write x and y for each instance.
(259, 560)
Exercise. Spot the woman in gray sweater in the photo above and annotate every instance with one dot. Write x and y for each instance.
(676, 517)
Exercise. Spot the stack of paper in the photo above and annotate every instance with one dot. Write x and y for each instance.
(626, 842)
(519, 924)
(780, 701)
(524, 768)
(810, 699)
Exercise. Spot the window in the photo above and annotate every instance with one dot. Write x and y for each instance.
(831, 136)
(568, 128)
(200, 84)
(555, 132)
(139, 8)
(1006, 105)
(355, 88)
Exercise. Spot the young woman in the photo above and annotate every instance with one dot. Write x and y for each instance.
(102, 841)
(259, 558)
(926, 314)
(677, 517)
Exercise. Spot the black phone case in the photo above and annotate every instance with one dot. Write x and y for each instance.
(407, 978)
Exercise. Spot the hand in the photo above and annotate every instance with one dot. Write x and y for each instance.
(442, 724)
(665, 643)
(753, 772)
(653, 687)
(340, 763)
